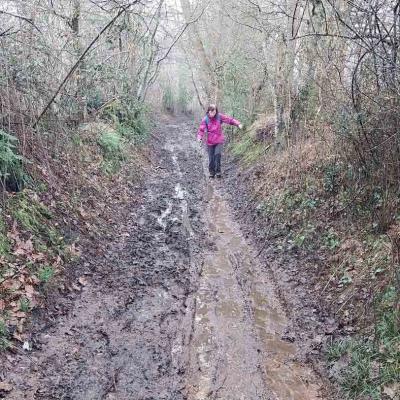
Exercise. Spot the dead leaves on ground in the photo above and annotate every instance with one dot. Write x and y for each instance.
(84, 213)
(20, 286)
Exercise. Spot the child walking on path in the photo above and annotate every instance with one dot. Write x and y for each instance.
(211, 125)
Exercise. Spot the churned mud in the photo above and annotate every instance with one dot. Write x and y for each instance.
(179, 307)
(239, 349)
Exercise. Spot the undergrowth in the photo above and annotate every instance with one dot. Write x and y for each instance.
(31, 254)
(128, 129)
(11, 167)
(67, 200)
(35, 219)
(4, 341)
(370, 367)
(112, 145)
(4, 242)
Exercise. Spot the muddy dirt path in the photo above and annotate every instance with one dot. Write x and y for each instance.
(178, 308)
(237, 351)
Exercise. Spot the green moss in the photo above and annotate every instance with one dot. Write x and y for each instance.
(41, 247)
(331, 239)
(46, 273)
(31, 215)
(24, 304)
(35, 218)
(4, 242)
(248, 150)
(113, 147)
(42, 187)
(136, 131)
(4, 342)
(55, 238)
(76, 140)
(111, 144)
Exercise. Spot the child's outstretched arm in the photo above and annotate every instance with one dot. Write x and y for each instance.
(230, 121)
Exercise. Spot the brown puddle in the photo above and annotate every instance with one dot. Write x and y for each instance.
(237, 351)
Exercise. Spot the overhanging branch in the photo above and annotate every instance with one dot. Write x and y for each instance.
(75, 66)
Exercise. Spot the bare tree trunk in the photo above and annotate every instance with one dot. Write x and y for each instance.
(279, 92)
(256, 97)
(79, 75)
(206, 66)
(284, 69)
(144, 84)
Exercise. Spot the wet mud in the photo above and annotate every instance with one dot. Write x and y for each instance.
(310, 324)
(179, 307)
(237, 351)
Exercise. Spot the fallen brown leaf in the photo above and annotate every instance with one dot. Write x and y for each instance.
(76, 287)
(20, 314)
(34, 280)
(82, 212)
(11, 284)
(18, 337)
(83, 281)
(29, 289)
(24, 248)
(38, 257)
(20, 325)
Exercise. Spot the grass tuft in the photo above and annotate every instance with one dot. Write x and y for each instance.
(374, 363)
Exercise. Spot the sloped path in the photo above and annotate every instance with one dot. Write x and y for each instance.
(178, 309)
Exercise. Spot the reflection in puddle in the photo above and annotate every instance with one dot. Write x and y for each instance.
(228, 309)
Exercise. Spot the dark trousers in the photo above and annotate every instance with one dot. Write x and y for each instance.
(214, 158)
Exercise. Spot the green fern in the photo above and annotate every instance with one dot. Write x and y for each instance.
(10, 160)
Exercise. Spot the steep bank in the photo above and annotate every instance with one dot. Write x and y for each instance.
(67, 213)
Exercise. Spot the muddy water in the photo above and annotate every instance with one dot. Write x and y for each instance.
(237, 351)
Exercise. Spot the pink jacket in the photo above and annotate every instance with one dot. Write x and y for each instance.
(215, 134)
